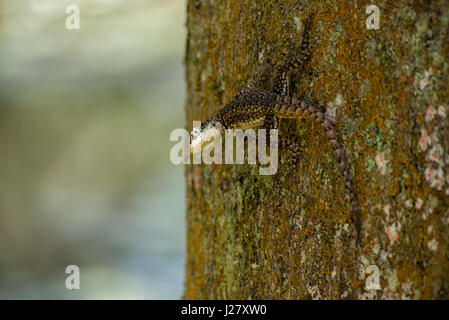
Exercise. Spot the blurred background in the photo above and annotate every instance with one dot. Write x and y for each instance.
(85, 173)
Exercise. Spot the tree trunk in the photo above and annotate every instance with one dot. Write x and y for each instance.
(292, 235)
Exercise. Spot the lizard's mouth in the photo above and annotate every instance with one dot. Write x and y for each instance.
(200, 138)
(195, 145)
(195, 140)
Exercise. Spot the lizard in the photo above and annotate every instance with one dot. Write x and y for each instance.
(256, 108)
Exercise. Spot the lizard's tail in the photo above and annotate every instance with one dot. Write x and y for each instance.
(287, 107)
(343, 164)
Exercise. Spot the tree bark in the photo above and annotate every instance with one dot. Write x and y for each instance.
(291, 235)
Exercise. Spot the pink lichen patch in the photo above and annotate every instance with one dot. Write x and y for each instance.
(381, 163)
(418, 203)
(196, 178)
(435, 177)
(392, 232)
(432, 245)
(436, 154)
(430, 113)
(424, 141)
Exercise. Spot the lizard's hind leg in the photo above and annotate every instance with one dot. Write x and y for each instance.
(281, 84)
(289, 145)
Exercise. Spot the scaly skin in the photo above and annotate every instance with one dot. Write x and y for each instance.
(252, 108)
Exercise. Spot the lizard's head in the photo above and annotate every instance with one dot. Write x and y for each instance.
(202, 136)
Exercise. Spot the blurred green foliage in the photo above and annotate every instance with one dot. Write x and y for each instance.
(85, 118)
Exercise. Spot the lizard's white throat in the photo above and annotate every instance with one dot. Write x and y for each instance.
(202, 137)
